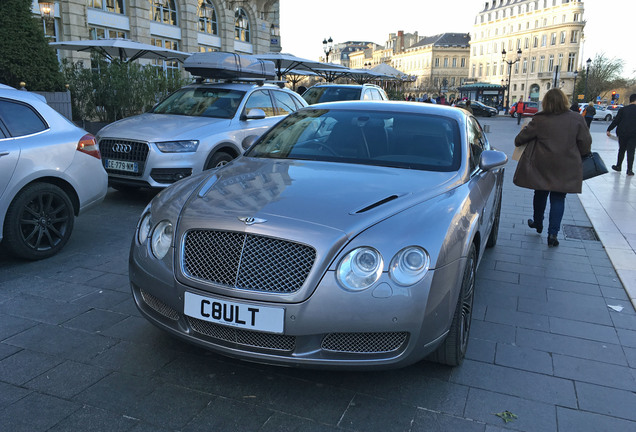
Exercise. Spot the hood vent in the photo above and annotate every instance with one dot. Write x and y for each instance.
(376, 204)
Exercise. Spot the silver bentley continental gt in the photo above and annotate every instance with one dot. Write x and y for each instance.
(347, 236)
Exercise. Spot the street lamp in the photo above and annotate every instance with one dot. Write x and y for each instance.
(327, 47)
(46, 8)
(574, 98)
(509, 63)
(587, 73)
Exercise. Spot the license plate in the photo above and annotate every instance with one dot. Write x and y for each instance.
(121, 165)
(234, 314)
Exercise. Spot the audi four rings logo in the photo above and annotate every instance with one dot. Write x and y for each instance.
(122, 148)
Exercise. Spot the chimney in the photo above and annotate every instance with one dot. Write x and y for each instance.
(400, 41)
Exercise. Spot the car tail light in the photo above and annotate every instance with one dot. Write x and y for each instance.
(88, 145)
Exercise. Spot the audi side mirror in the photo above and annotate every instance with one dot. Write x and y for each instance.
(254, 114)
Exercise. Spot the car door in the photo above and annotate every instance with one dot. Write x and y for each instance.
(258, 99)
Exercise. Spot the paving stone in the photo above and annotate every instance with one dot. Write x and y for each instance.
(118, 393)
(630, 353)
(77, 275)
(25, 365)
(12, 325)
(94, 320)
(525, 385)
(565, 310)
(521, 268)
(524, 358)
(220, 415)
(59, 341)
(134, 359)
(492, 331)
(497, 275)
(627, 337)
(103, 299)
(571, 346)
(67, 379)
(89, 418)
(430, 421)
(279, 422)
(623, 320)
(488, 298)
(40, 309)
(481, 350)
(512, 289)
(10, 393)
(581, 421)
(518, 319)
(614, 293)
(133, 329)
(584, 330)
(594, 372)
(111, 281)
(35, 412)
(7, 350)
(531, 415)
(550, 284)
(606, 400)
(374, 414)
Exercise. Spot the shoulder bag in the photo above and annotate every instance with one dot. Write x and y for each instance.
(593, 166)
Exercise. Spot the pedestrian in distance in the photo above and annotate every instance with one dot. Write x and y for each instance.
(574, 107)
(589, 112)
(519, 110)
(467, 106)
(625, 122)
(555, 139)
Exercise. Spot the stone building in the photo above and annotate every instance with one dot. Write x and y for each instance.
(542, 42)
(244, 26)
(438, 64)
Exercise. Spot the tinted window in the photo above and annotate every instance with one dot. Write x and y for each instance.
(260, 99)
(331, 93)
(477, 142)
(20, 119)
(201, 102)
(284, 102)
(401, 140)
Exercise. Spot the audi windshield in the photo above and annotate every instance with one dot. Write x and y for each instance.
(201, 102)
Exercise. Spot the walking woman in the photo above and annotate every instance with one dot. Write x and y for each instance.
(555, 139)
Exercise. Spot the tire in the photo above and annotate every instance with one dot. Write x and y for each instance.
(39, 222)
(218, 159)
(494, 231)
(608, 117)
(453, 350)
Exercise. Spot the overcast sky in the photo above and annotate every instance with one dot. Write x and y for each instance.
(305, 24)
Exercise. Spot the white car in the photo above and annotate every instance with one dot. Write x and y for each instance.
(603, 113)
(199, 127)
(50, 172)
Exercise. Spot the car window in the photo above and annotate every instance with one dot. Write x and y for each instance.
(331, 93)
(260, 99)
(20, 119)
(284, 102)
(477, 142)
(367, 95)
(201, 102)
(402, 140)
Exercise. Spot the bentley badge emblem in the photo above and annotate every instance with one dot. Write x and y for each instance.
(251, 220)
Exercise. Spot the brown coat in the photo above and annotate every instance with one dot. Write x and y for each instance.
(552, 158)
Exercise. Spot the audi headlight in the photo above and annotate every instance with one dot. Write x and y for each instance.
(360, 268)
(143, 230)
(161, 239)
(409, 265)
(178, 146)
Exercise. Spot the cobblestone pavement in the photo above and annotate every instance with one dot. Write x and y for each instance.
(546, 346)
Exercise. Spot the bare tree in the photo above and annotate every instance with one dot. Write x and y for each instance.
(604, 75)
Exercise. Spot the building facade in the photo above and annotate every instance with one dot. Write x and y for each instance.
(249, 26)
(437, 64)
(542, 42)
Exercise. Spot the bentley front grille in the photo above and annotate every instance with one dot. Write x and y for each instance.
(243, 337)
(364, 343)
(159, 306)
(124, 151)
(246, 261)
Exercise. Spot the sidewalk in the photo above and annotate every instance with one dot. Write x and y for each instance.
(610, 204)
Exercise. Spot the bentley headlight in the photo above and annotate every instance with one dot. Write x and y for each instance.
(143, 230)
(161, 239)
(178, 146)
(409, 265)
(360, 268)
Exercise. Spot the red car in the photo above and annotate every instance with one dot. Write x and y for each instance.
(529, 109)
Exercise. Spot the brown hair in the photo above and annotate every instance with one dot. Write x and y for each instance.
(555, 102)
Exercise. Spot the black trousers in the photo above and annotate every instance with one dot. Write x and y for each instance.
(588, 120)
(626, 145)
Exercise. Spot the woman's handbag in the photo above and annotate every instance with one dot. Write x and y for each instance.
(593, 166)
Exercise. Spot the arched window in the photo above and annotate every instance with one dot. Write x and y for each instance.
(241, 26)
(163, 11)
(207, 17)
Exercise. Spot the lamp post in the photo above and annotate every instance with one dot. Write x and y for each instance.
(46, 8)
(509, 63)
(327, 47)
(574, 98)
(587, 73)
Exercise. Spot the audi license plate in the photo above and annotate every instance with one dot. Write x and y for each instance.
(121, 165)
(234, 314)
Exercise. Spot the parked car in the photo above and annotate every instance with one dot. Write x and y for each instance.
(199, 127)
(343, 92)
(347, 236)
(50, 172)
(479, 109)
(602, 112)
(529, 109)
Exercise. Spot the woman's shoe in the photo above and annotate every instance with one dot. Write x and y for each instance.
(538, 227)
(616, 168)
(552, 240)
